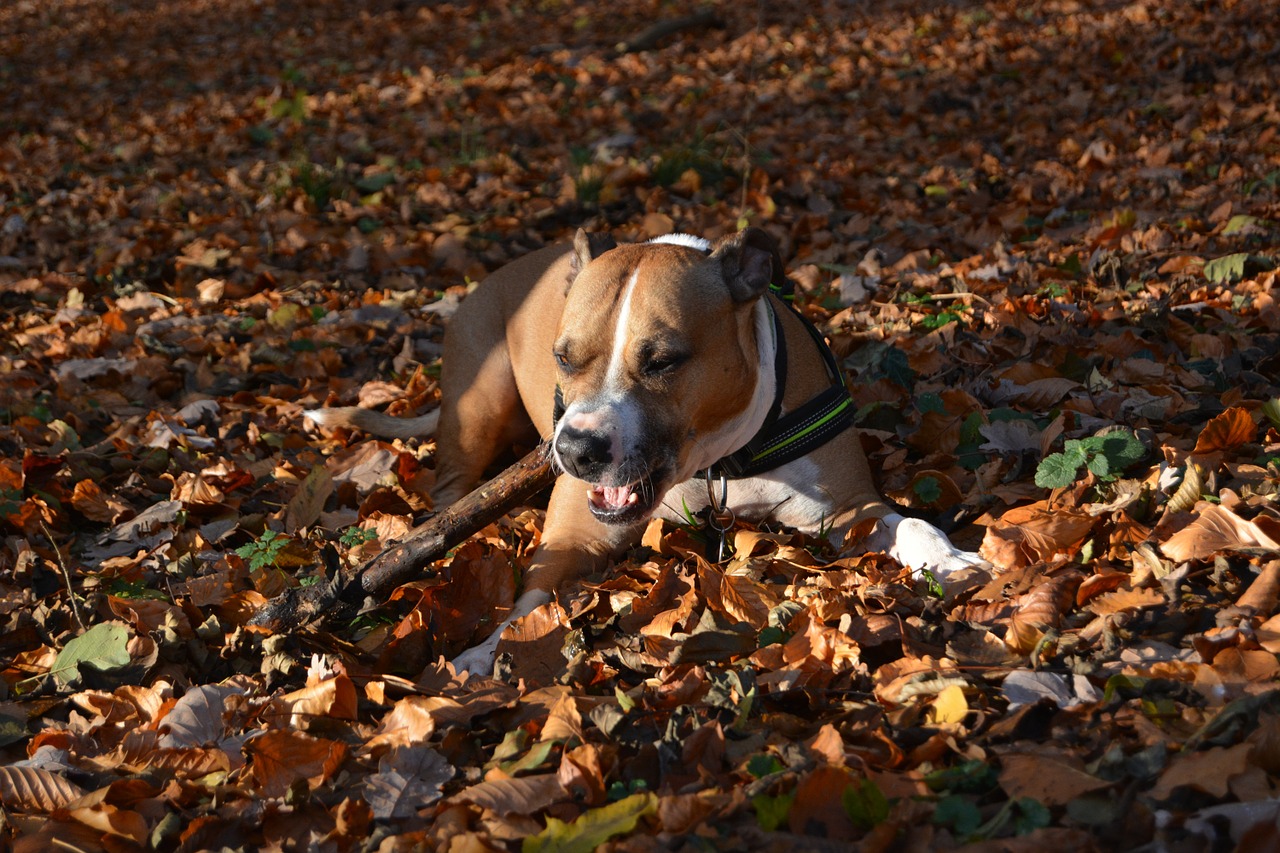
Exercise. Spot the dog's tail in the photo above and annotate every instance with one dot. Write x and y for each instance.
(375, 423)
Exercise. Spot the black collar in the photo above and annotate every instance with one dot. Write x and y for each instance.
(784, 438)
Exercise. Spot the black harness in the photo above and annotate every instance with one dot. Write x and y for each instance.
(783, 438)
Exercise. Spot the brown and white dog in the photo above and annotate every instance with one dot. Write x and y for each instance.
(645, 364)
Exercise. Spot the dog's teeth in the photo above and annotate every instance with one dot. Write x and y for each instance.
(632, 498)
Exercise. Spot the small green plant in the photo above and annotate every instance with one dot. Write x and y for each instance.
(764, 764)
(932, 322)
(354, 537)
(1106, 456)
(122, 588)
(588, 186)
(865, 804)
(1021, 816)
(772, 812)
(293, 108)
(620, 790)
(928, 489)
(263, 552)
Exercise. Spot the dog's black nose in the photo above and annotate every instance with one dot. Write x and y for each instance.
(584, 454)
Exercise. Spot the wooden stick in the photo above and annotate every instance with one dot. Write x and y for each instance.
(649, 39)
(348, 589)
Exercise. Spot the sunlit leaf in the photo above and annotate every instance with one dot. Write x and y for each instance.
(103, 647)
(593, 828)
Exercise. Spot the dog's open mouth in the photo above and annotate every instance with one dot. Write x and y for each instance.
(621, 504)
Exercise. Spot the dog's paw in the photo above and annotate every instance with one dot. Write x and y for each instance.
(478, 660)
(921, 547)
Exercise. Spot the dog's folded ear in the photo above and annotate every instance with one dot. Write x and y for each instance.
(750, 262)
(586, 248)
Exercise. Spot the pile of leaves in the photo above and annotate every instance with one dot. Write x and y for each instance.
(1038, 236)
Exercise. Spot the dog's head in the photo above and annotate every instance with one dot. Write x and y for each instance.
(665, 363)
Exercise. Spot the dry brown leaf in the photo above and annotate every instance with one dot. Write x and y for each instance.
(1039, 610)
(281, 758)
(1226, 431)
(95, 505)
(506, 795)
(197, 719)
(334, 698)
(564, 722)
(31, 789)
(1189, 490)
(1126, 600)
(411, 721)
(1034, 533)
(1264, 592)
(744, 600)
(113, 822)
(1216, 530)
(1052, 779)
(1209, 771)
(306, 505)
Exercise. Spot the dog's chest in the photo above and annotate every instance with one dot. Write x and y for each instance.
(792, 495)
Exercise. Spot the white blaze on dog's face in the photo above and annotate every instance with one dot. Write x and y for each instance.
(665, 360)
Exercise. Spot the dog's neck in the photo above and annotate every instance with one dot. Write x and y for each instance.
(743, 427)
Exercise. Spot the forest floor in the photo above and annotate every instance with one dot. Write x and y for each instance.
(1039, 236)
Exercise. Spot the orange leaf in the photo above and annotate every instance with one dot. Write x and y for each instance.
(1227, 431)
(1217, 529)
(564, 721)
(334, 697)
(1034, 533)
(1123, 600)
(1040, 609)
(745, 600)
(281, 758)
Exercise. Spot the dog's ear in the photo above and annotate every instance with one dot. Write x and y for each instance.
(750, 262)
(586, 248)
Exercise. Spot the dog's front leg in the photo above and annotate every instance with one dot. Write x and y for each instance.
(920, 546)
(574, 543)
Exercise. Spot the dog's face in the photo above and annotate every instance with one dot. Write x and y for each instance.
(659, 365)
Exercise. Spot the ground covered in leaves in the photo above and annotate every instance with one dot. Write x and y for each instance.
(1039, 236)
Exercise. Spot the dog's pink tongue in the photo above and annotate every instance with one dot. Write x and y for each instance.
(614, 497)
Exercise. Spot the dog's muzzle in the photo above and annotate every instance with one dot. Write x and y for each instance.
(634, 489)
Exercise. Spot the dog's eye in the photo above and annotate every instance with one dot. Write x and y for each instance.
(562, 361)
(664, 363)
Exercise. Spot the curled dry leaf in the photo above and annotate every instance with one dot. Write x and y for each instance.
(334, 698)
(1226, 431)
(1217, 529)
(1189, 490)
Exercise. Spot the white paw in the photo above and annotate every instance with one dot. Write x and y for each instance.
(920, 546)
(478, 660)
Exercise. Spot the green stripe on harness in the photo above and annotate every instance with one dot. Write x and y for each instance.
(841, 405)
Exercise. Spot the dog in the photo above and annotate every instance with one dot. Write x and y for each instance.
(656, 370)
